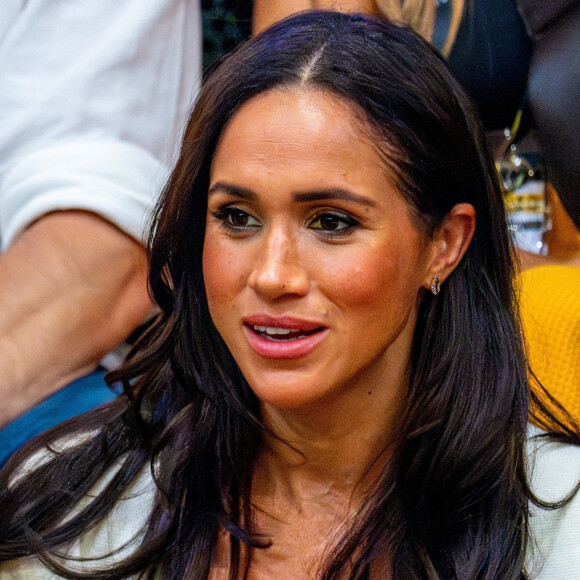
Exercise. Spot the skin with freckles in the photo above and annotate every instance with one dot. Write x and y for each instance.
(305, 231)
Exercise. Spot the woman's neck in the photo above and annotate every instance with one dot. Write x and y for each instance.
(311, 476)
(306, 464)
(306, 498)
(318, 465)
(339, 444)
(314, 471)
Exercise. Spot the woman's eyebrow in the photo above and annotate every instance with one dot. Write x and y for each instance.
(234, 190)
(298, 196)
(332, 193)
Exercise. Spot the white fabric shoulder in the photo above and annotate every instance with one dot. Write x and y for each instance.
(122, 530)
(554, 551)
(94, 97)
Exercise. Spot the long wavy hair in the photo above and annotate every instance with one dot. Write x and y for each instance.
(453, 501)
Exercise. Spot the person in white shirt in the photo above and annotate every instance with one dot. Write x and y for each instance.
(93, 96)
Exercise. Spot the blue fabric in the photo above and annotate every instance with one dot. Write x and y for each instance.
(80, 396)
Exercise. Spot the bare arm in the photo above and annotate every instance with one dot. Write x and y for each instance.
(266, 12)
(72, 287)
(91, 136)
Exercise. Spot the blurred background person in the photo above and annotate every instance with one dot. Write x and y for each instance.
(92, 98)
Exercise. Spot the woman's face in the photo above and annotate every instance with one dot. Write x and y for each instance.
(313, 267)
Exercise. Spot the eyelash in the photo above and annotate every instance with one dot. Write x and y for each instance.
(227, 214)
(334, 217)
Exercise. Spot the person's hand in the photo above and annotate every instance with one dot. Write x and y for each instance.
(72, 287)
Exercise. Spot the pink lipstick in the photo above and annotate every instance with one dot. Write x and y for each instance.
(283, 337)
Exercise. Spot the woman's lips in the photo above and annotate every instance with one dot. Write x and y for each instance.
(283, 339)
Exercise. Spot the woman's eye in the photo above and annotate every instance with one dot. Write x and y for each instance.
(237, 219)
(330, 222)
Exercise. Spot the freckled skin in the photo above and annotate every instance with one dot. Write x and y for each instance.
(363, 286)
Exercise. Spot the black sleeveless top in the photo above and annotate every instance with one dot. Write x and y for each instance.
(490, 57)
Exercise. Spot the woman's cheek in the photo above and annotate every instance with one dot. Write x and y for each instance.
(357, 279)
(219, 269)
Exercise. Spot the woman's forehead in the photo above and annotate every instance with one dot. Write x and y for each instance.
(306, 116)
(302, 126)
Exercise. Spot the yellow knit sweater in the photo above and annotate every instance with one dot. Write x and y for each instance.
(550, 310)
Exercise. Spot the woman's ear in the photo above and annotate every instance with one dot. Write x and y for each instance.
(450, 242)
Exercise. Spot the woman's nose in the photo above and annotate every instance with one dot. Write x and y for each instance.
(277, 270)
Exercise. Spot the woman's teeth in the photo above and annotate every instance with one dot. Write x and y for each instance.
(279, 333)
(270, 330)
